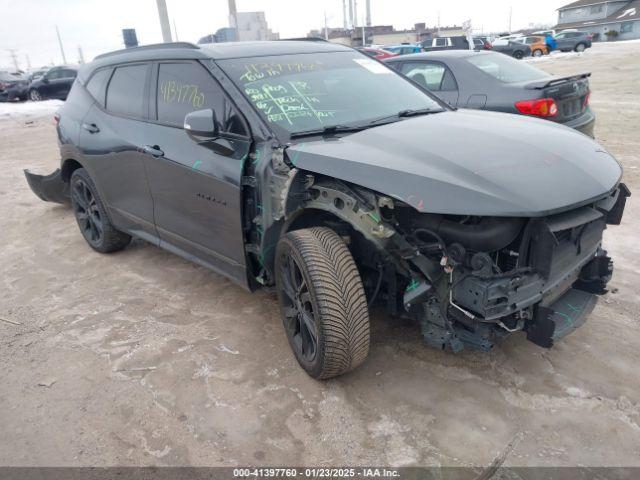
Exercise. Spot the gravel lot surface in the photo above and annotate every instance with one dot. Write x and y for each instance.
(141, 358)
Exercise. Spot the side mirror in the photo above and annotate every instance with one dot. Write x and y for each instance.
(201, 123)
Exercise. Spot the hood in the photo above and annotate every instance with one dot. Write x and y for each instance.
(469, 162)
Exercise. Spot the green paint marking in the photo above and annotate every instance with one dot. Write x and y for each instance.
(375, 217)
(574, 309)
(569, 319)
(413, 285)
(197, 164)
(294, 158)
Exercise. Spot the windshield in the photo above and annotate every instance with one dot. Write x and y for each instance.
(505, 68)
(306, 92)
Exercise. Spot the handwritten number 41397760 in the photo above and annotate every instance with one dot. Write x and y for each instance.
(176, 92)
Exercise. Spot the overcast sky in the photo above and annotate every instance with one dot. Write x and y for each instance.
(29, 25)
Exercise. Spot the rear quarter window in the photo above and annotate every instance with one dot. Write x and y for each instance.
(125, 94)
(505, 68)
(97, 85)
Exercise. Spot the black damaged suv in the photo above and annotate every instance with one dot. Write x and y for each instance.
(314, 168)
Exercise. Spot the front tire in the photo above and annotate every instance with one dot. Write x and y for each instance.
(322, 301)
(34, 95)
(94, 224)
(537, 53)
(518, 54)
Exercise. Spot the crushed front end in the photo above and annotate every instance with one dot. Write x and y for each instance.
(501, 275)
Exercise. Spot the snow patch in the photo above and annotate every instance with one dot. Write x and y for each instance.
(17, 110)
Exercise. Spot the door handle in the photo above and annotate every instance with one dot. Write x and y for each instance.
(90, 127)
(153, 150)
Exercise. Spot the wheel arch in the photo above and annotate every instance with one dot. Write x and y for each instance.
(67, 168)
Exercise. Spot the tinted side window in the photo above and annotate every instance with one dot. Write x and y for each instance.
(125, 95)
(98, 84)
(54, 74)
(433, 76)
(187, 87)
(68, 73)
(441, 42)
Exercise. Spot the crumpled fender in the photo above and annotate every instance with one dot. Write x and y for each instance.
(50, 188)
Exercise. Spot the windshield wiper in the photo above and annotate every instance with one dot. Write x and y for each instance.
(328, 130)
(403, 114)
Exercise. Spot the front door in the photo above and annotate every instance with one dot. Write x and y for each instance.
(196, 186)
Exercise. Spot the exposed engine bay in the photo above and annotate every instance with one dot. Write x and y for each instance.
(467, 280)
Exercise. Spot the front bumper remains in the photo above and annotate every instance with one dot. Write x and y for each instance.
(50, 188)
(562, 269)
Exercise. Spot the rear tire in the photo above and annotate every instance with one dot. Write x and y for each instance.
(581, 47)
(518, 54)
(34, 95)
(537, 52)
(91, 215)
(322, 301)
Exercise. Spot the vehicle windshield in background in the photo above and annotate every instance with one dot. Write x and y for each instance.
(506, 69)
(312, 91)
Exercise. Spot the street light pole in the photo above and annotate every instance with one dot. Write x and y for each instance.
(64, 58)
(164, 21)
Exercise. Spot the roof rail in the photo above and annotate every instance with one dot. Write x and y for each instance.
(304, 39)
(154, 46)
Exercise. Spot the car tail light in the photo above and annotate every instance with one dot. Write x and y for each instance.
(541, 107)
(3, 85)
(487, 46)
(586, 99)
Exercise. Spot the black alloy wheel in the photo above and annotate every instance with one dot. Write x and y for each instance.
(299, 316)
(92, 218)
(86, 209)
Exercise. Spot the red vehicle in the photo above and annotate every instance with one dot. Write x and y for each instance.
(378, 53)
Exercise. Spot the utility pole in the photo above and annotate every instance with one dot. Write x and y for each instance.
(510, 16)
(28, 61)
(164, 21)
(80, 55)
(355, 13)
(326, 27)
(368, 17)
(14, 57)
(175, 30)
(350, 13)
(64, 58)
(344, 14)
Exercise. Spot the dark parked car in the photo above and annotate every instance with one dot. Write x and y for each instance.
(511, 48)
(491, 81)
(314, 168)
(12, 86)
(55, 83)
(573, 41)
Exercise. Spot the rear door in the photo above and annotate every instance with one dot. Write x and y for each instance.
(111, 139)
(434, 76)
(195, 184)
